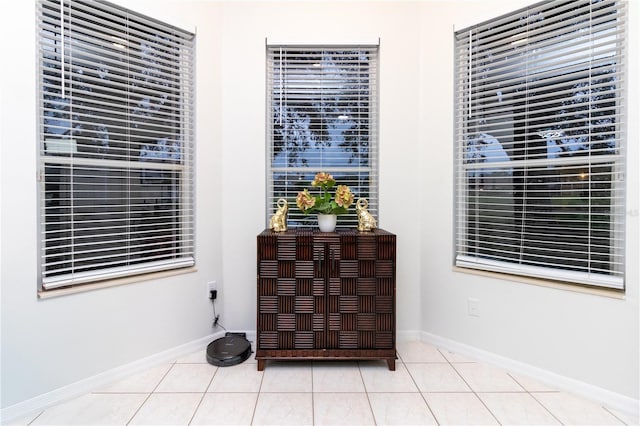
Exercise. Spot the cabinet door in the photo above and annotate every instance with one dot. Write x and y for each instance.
(385, 278)
(361, 304)
(291, 293)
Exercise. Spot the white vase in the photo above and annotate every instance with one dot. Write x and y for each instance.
(327, 222)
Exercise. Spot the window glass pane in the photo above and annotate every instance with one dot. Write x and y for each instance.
(557, 217)
(111, 110)
(106, 217)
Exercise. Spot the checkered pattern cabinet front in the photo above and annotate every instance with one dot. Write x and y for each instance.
(291, 291)
(326, 295)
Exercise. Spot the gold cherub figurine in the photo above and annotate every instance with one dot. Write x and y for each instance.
(366, 222)
(278, 221)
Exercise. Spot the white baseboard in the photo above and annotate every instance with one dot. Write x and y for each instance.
(39, 403)
(605, 397)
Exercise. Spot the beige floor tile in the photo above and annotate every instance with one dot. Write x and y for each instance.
(171, 409)
(630, 419)
(437, 378)
(337, 377)
(573, 410)
(416, 351)
(237, 378)
(402, 409)
(144, 382)
(22, 421)
(532, 385)
(341, 409)
(283, 409)
(459, 409)
(455, 357)
(517, 408)
(226, 409)
(378, 378)
(486, 378)
(93, 409)
(287, 377)
(187, 378)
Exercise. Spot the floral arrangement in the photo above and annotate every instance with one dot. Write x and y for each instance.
(324, 203)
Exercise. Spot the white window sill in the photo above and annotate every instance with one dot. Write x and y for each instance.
(615, 294)
(47, 294)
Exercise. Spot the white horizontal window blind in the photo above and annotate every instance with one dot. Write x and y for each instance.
(540, 142)
(116, 143)
(322, 115)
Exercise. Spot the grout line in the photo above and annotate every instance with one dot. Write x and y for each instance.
(534, 398)
(149, 394)
(469, 386)
(614, 415)
(203, 395)
(36, 417)
(313, 405)
(418, 387)
(545, 407)
(255, 406)
(364, 386)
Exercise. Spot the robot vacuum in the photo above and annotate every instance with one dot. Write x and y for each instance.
(231, 349)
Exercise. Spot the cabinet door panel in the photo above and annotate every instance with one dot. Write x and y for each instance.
(366, 285)
(286, 304)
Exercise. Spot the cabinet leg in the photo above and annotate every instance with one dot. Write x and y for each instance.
(392, 364)
(261, 364)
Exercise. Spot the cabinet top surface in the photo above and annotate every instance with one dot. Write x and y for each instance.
(316, 231)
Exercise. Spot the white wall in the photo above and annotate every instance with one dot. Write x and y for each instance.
(47, 344)
(592, 339)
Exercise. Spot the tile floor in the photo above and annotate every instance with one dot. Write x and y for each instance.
(430, 386)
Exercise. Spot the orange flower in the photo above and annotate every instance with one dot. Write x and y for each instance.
(344, 196)
(304, 200)
(322, 179)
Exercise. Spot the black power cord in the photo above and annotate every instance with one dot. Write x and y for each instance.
(213, 295)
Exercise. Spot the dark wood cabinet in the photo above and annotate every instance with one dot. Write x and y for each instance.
(326, 295)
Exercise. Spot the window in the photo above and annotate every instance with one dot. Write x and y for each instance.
(115, 143)
(539, 143)
(322, 116)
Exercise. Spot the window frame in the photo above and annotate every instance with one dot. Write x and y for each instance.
(362, 179)
(114, 141)
(471, 92)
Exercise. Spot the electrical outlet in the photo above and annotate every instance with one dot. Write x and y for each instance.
(473, 307)
(211, 285)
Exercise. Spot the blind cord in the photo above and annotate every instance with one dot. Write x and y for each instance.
(62, 53)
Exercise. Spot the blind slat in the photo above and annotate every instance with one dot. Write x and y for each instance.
(113, 272)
